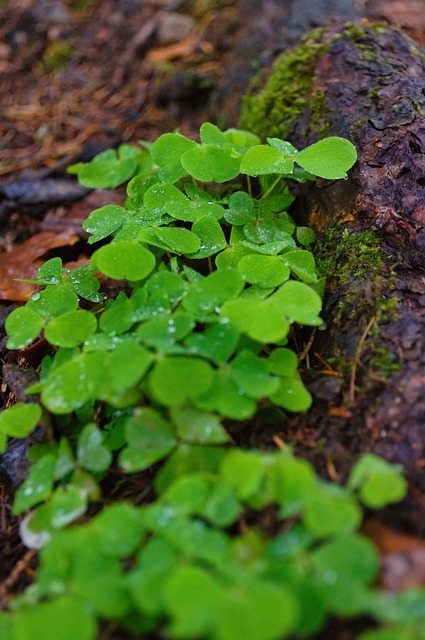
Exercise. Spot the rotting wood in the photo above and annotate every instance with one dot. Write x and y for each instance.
(366, 82)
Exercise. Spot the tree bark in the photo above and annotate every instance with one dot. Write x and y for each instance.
(365, 83)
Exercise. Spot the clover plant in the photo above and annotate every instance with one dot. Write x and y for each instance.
(213, 273)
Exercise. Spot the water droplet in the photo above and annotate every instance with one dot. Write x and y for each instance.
(35, 296)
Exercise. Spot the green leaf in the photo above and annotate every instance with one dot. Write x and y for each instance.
(257, 611)
(102, 222)
(263, 271)
(226, 398)
(283, 362)
(167, 151)
(37, 487)
(118, 529)
(211, 164)
(70, 329)
(240, 139)
(244, 471)
(175, 380)
(251, 375)
(19, 420)
(22, 325)
(193, 598)
(292, 395)
(178, 240)
(84, 283)
(53, 301)
(211, 236)
(291, 483)
(343, 567)
(241, 209)
(188, 459)
(126, 260)
(302, 264)
(91, 452)
(261, 320)
(126, 365)
(283, 146)
(211, 134)
(330, 510)
(118, 317)
(207, 295)
(73, 383)
(50, 272)
(46, 620)
(329, 158)
(198, 427)
(305, 236)
(379, 483)
(165, 331)
(106, 171)
(216, 342)
(67, 504)
(150, 438)
(297, 302)
(262, 159)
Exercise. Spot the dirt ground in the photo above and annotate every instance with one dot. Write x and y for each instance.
(80, 76)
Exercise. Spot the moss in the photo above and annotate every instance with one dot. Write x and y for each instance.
(286, 94)
(355, 267)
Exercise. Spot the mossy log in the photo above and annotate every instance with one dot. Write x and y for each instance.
(365, 83)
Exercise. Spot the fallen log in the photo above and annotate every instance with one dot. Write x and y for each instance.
(364, 82)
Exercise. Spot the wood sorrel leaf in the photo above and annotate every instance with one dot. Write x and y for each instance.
(84, 283)
(224, 397)
(210, 293)
(73, 383)
(211, 236)
(259, 319)
(264, 271)
(292, 395)
(175, 380)
(282, 362)
(330, 510)
(240, 139)
(178, 240)
(50, 272)
(198, 427)
(150, 438)
(167, 151)
(106, 171)
(211, 134)
(23, 325)
(38, 486)
(102, 222)
(262, 159)
(53, 301)
(211, 164)
(163, 332)
(302, 264)
(305, 236)
(298, 303)
(126, 260)
(67, 504)
(283, 146)
(80, 624)
(329, 158)
(216, 343)
(127, 364)
(378, 481)
(242, 208)
(91, 452)
(19, 420)
(70, 329)
(251, 375)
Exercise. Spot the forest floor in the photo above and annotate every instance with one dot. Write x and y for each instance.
(81, 76)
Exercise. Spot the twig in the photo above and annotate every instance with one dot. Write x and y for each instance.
(356, 360)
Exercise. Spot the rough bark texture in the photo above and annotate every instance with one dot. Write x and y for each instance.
(365, 83)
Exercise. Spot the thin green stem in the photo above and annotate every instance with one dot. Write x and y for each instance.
(270, 189)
